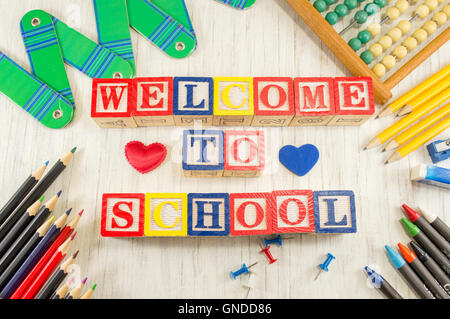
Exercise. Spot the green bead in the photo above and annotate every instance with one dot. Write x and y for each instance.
(341, 10)
(361, 16)
(367, 57)
(351, 4)
(330, 2)
(332, 17)
(361, 1)
(364, 36)
(380, 3)
(320, 5)
(355, 44)
(371, 8)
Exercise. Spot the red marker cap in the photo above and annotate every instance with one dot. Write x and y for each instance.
(406, 253)
(411, 213)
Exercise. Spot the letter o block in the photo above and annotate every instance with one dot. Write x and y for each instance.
(293, 212)
(165, 214)
(123, 215)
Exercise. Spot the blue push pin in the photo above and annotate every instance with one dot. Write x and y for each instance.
(277, 240)
(244, 269)
(324, 266)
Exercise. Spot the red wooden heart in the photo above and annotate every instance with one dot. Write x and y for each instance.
(145, 158)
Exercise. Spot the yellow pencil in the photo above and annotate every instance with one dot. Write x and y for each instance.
(409, 119)
(405, 98)
(419, 140)
(428, 94)
(418, 127)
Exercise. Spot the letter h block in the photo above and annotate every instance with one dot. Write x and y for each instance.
(244, 153)
(208, 214)
(354, 100)
(122, 215)
(314, 101)
(335, 212)
(154, 101)
(274, 101)
(293, 212)
(165, 214)
(193, 100)
(203, 153)
(112, 103)
(233, 101)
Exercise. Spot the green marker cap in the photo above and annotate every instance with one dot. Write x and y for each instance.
(412, 229)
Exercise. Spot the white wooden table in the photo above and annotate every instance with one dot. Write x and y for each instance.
(268, 40)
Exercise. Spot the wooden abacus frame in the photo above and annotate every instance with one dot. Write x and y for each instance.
(351, 60)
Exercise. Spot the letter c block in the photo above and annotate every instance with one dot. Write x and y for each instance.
(165, 214)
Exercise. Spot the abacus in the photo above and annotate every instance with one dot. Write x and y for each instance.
(377, 39)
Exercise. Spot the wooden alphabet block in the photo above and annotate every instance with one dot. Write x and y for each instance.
(208, 214)
(193, 100)
(154, 101)
(233, 101)
(251, 213)
(244, 153)
(314, 101)
(354, 100)
(122, 215)
(334, 212)
(203, 153)
(165, 214)
(112, 103)
(293, 212)
(274, 101)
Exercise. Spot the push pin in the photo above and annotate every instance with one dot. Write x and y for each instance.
(277, 240)
(266, 251)
(324, 266)
(244, 269)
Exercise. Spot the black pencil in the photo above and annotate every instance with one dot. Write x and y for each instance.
(62, 291)
(24, 252)
(21, 192)
(37, 192)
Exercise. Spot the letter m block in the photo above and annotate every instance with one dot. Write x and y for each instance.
(112, 103)
(123, 215)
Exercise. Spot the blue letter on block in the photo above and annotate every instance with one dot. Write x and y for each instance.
(334, 212)
(203, 150)
(208, 214)
(193, 96)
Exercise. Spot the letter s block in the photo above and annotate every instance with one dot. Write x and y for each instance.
(123, 215)
(208, 214)
(165, 214)
(112, 103)
(335, 211)
(251, 213)
(354, 100)
(154, 101)
(294, 211)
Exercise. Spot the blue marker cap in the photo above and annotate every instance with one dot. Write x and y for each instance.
(375, 277)
(395, 257)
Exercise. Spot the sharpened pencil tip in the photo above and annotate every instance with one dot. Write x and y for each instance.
(68, 212)
(84, 280)
(81, 212)
(76, 254)
(73, 150)
(383, 150)
(94, 286)
(73, 236)
(377, 117)
(46, 163)
(365, 148)
(59, 193)
(387, 162)
(42, 198)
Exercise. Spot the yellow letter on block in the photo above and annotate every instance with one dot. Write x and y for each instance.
(165, 214)
(233, 101)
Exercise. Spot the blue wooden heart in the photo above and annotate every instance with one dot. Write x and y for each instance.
(299, 160)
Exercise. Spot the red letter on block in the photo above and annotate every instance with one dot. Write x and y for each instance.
(250, 214)
(123, 215)
(156, 95)
(294, 212)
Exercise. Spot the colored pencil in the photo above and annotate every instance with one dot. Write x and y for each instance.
(37, 192)
(56, 278)
(405, 98)
(418, 127)
(21, 193)
(437, 223)
(382, 284)
(31, 287)
(88, 294)
(62, 291)
(38, 252)
(76, 292)
(15, 264)
(404, 122)
(418, 141)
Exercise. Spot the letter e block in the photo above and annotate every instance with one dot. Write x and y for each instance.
(154, 101)
(294, 211)
(193, 100)
(244, 153)
(112, 103)
(165, 214)
(123, 215)
(354, 100)
(208, 214)
(335, 211)
(251, 214)
(314, 101)
(274, 101)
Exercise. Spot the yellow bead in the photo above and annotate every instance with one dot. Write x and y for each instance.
(376, 49)
(395, 34)
(446, 10)
(388, 61)
(420, 35)
(402, 5)
(430, 26)
(393, 13)
(440, 18)
(385, 42)
(410, 43)
(379, 70)
(422, 11)
(400, 52)
(440, 1)
(374, 29)
(404, 25)
(432, 4)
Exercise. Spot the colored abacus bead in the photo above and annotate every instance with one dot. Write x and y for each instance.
(380, 3)
(355, 44)
(402, 5)
(379, 70)
(277, 240)
(376, 49)
(341, 10)
(332, 17)
(364, 36)
(361, 16)
(367, 57)
(374, 29)
(330, 2)
(244, 270)
(440, 18)
(400, 52)
(420, 35)
(320, 5)
(388, 61)
(430, 27)
(385, 41)
(410, 43)
(351, 4)
(370, 9)
(269, 256)
(404, 26)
